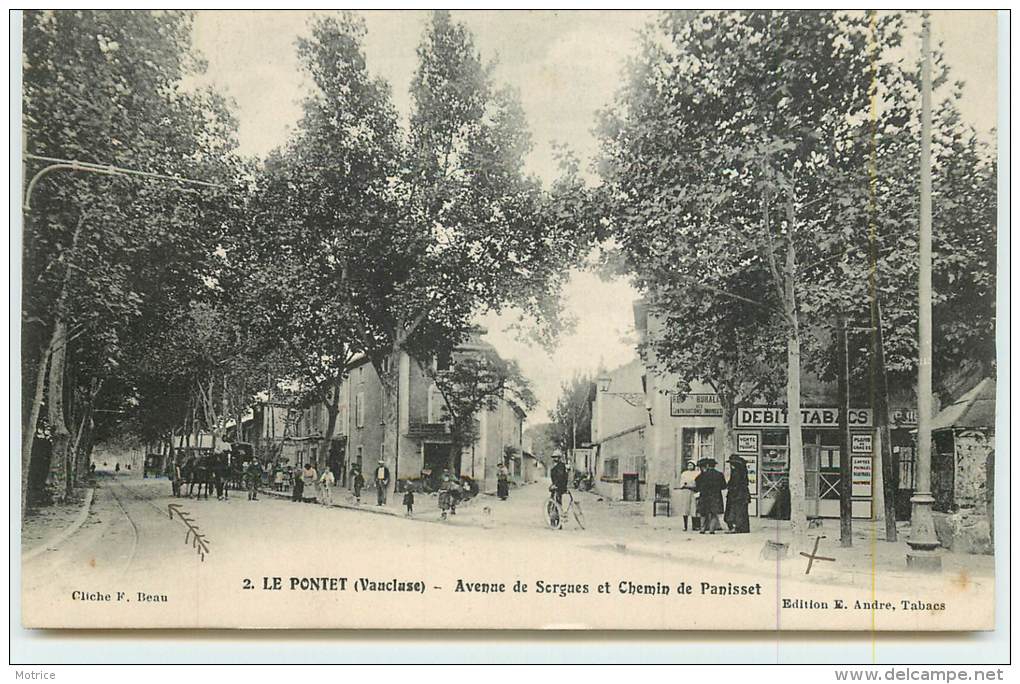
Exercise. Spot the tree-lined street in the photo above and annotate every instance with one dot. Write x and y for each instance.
(788, 194)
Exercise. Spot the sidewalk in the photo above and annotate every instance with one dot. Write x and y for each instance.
(628, 528)
(426, 506)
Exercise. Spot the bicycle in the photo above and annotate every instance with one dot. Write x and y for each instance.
(555, 512)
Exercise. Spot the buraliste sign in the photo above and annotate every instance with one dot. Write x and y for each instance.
(816, 416)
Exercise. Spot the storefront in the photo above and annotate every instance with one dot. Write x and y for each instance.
(763, 440)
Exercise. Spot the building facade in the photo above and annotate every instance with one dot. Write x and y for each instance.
(686, 428)
(424, 438)
(619, 419)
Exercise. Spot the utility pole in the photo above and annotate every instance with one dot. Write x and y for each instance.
(923, 542)
(845, 481)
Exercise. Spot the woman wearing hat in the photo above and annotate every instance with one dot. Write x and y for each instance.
(738, 496)
(710, 485)
(687, 502)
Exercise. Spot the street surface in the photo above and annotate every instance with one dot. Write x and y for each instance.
(343, 567)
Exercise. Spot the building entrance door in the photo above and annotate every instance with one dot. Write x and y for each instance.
(774, 490)
(811, 479)
(437, 459)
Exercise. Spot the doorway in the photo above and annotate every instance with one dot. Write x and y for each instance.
(436, 459)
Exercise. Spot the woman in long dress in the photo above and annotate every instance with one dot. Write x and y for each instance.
(738, 496)
(687, 501)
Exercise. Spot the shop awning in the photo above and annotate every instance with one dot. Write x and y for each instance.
(975, 409)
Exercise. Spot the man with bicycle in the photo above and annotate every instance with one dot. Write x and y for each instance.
(558, 475)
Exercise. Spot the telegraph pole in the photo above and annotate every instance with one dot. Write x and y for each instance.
(845, 473)
(923, 542)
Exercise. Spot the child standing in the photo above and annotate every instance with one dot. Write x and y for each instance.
(409, 501)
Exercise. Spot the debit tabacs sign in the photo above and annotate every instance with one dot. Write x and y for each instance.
(813, 417)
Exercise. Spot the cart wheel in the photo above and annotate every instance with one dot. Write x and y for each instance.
(553, 514)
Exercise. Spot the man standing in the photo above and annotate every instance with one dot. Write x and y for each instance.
(254, 477)
(175, 474)
(357, 481)
(297, 484)
(558, 475)
(382, 482)
(710, 485)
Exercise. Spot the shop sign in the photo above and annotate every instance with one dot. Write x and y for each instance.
(697, 404)
(747, 443)
(860, 476)
(860, 444)
(812, 417)
(903, 416)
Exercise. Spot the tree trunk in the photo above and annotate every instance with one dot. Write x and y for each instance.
(85, 427)
(28, 437)
(390, 381)
(60, 436)
(880, 406)
(798, 510)
(59, 333)
(729, 410)
(332, 412)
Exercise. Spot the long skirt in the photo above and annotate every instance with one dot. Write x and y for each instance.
(687, 503)
(736, 513)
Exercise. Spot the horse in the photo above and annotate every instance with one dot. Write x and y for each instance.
(201, 475)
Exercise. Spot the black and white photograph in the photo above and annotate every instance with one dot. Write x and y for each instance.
(509, 320)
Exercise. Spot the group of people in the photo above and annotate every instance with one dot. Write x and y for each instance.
(701, 496)
(306, 478)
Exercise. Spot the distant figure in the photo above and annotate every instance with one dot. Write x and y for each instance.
(738, 496)
(558, 475)
(710, 484)
(309, 477)
(382, 482)
(116, 467)
(409, 501)
(687, 501)
(449, 493)
(175, 478)
(278, 478)
(357, 481)
(253, 475)
(326, 483)
(502, 482)
(297, 493)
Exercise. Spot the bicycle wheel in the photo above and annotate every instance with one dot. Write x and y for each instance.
(578, 514)
(553, 514)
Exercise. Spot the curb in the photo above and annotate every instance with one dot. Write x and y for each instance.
(62, 536)
(364, 509)
(368, 508)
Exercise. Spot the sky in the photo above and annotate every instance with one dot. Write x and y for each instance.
(565, 65)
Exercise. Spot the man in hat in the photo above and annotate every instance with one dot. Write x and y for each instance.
(710, 485)
(382, 482)
(558, 475)
(738, 496)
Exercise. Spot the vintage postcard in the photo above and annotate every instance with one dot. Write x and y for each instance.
(570, 320)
